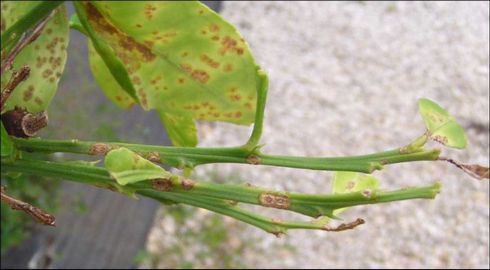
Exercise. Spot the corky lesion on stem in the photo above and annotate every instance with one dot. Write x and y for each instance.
(38, 214)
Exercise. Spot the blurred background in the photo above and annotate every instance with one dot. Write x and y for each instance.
(344, 79)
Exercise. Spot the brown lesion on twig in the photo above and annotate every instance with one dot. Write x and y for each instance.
(99, 149)
(153, 157)
(21, 123)
(38, 214)
(279, 201)
(254, 160)
(187, 184)
(162, 184)
(345, 226)
(476, 171)
(17, 77)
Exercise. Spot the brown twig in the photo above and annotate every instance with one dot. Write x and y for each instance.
(17, 77)
(24, 41)
(38, 214)
(345, 226)
(476, 171)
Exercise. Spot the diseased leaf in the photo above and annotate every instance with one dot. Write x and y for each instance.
(46, 57)
(442, 127)
(6, 143)
(181, 130)
(111, 88)
(128, 167)
(13, 32)
(345, 182)
(183, 59)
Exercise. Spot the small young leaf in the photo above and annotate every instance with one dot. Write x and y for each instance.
(46, 57)
(180, 129)
(442, 127)
(6, 143)
(128, 167)
(345, 182)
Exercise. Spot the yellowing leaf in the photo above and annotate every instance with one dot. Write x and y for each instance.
(181, 130)
(183, 60)
(442, 127)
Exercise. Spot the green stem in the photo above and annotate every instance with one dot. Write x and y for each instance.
(262, 86)
(190, 156)
(308, 204)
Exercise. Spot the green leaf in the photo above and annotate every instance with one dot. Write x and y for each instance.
(6, 143)
(46, 57)
(183, 59)
(128, 167)
(442, 127)
(181, 130)
(345, 182)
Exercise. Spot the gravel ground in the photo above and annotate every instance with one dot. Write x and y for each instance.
(344, 79)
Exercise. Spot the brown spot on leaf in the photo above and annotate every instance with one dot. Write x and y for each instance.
(46, 73)
(440, 139)
(350, 185)
(213, 28)
(142, 96)
(229, 45)
(139, 25)
(136, 80)
(38, 101)
(209, 61)
(279, 201)
(181, 80)
(149, 10)
(28, 93)
(228, 67)
(200, 75)
(49, 31)
(153, 157)
(235, 97)
(248, 105)
(97, 18)
(186, 67)
(367, 193)
(238, 114)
